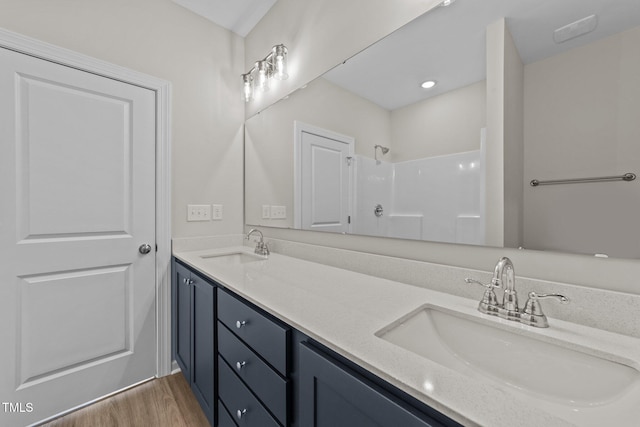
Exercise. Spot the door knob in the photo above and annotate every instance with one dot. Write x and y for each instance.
(145, 248)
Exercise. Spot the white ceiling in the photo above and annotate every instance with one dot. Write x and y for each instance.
(447, 44)
(239, 16)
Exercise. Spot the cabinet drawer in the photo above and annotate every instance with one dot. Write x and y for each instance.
(239, 400)
(224, 418)
(266, 337)
(265, 383)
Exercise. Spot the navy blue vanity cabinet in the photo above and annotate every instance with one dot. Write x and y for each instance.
(334, 395)
(194, 334)
(253, 365)
(249, 369)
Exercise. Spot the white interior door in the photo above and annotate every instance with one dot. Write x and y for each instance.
(325, 182)
(77, 200)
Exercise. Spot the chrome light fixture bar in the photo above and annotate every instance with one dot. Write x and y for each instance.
(274, 65)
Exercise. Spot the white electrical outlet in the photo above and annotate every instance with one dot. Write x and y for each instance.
(266, 211)
(198, 212)
(278, 212)
(217, 212)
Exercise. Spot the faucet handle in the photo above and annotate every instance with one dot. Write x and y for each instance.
(489, 302)
(489, 286)
(534, 297)
(532, 313)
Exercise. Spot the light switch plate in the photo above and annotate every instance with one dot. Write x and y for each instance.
(266, 211)
(198, 212)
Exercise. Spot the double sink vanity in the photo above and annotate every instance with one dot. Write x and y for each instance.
(273, 340)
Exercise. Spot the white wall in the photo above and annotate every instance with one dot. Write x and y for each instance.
(579, 134)
(513, 144)
(200, 59)
(495, 40)
(444, 124)
(373, 186)
(504, 138)
(349, 31)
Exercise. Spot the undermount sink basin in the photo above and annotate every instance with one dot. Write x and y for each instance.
(233, 258)
(493, 351)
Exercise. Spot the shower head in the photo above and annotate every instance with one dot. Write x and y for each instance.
(384, 150)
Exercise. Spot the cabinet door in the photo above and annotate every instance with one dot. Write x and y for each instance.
(193, 334)
(203, 335)
(331, 395)
(181, 318)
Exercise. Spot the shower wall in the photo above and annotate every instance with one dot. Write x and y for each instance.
(434, 198)
(373, 186)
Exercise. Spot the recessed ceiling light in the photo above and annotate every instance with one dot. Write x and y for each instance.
(446, 3)
(428, 84)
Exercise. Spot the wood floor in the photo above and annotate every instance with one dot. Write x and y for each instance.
(162, 402)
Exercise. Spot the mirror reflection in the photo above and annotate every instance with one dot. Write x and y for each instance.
(521, 90)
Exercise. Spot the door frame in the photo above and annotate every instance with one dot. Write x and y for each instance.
(298, 129)
(162, 88)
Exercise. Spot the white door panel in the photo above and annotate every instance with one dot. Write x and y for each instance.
(96, 134)
(325, 183)
(77, 188)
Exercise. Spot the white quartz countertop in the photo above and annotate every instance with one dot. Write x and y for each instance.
(343, 310)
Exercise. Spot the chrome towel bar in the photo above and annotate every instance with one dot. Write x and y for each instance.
(625, 177)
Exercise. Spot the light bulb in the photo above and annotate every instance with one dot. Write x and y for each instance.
(262, 80)
(247, 87)
(280, 62)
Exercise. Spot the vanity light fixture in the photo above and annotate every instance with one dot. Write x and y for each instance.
(274, 65)
(428, 84)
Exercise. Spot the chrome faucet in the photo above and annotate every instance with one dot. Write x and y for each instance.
(261, 247)
(510, 296)
(504, 277)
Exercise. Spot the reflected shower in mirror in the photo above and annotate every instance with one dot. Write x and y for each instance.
(519, 91)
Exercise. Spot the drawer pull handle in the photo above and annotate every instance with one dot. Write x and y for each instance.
(187, 281)
(240, 365)
(240, 324)
(240, 413)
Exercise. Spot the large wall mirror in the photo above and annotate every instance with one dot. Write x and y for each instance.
(524, 90)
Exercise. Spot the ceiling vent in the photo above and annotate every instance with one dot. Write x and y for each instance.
(575, 29)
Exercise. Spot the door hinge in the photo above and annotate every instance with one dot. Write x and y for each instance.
(349, 219)
(156, 247)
